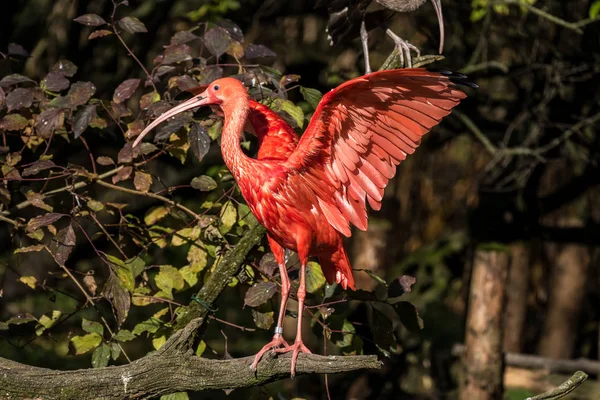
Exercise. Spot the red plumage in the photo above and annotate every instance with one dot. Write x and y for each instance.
(307, 192)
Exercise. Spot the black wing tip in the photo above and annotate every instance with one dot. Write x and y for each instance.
(455, 77)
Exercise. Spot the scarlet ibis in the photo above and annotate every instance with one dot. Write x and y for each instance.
(345, 16)
(308, 193)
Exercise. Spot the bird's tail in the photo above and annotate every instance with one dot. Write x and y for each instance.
(336, 268)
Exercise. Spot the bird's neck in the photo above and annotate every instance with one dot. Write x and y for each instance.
(236, 112)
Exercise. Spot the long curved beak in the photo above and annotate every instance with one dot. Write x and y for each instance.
(194, 102)
(437, 4)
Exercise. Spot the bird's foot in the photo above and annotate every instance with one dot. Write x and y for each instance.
(276, 344)
(297, 348)
(404, 48)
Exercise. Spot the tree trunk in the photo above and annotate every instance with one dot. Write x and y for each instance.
(483, 361)
(569, 264)
(516, 297)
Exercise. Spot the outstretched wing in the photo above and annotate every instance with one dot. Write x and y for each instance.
(362, 130)
(276, 139)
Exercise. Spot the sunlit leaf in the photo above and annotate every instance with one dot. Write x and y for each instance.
(228, 217)
(43, 220)
(46, 322)
(101, 356)
(99, 33)
(132, 25)
(315, 279)
(595, 9)
(90, 20)
(90, 283)
(85, 343)
(260, 293)
(175, 396)
(142, 181)
(155, 214)
(148, 99)
(312, 96)
(30, 281)
(28, 249)
(151, 325)
(167, 279)
(103, 160)
(157, 342)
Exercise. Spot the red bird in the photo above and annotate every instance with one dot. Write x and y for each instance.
(307, 195)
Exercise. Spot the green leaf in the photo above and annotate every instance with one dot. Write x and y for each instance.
(185, 235)
(101, 356)
(175, 396)
(136, 265)
(151, 325)
(595, 9)
(312, 96)
(290, 112)
(263, 320)
(92, 327)
(201, 348)
(124, 336)
(315, 279)
(382, 329)
(115, 350)
(169, 278)
(30, 281)
(228, 217)
(409, 316)
(85, 343)
(157, 342)
(204, 183)
(46, 322)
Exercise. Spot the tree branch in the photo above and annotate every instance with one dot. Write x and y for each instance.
(156, 375)
(564, 389)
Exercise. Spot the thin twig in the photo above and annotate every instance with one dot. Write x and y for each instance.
(564, 389)
(152, 196)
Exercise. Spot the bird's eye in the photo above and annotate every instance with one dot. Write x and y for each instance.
(216, 87)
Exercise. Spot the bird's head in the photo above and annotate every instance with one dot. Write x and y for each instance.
(220, 92)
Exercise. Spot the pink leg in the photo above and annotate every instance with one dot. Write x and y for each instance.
(298, 346)
(278, 340)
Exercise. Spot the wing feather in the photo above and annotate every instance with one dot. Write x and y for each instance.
(362, 130)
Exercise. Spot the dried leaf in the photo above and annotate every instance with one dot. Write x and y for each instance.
(37, 200)
(35, 247)
(14, 79)
(90, 20)
(38, 166)
(64, 67)
(177, 53)
(166, 129)
(216, 41)
(49, 121)
(55, 82)
(99, 33)
(148, 99)
(142, 181)
(63, 244)
(103, 160)
(17, 50)
(14, 122)
(199, 141)
(260, 293)
(125, 90)
(401, 285)
(183, 37)
(268, 265)
(82, 119)
(132, 25)
(118, 297)
(19, 98)
(204, 183)
(234, 31)
(258, 51)
(186, 82)
(90, 284)
(43, 220)
(80, 93)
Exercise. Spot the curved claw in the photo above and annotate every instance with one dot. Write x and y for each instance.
(404, 48)
(297, 348)
(275, 344)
